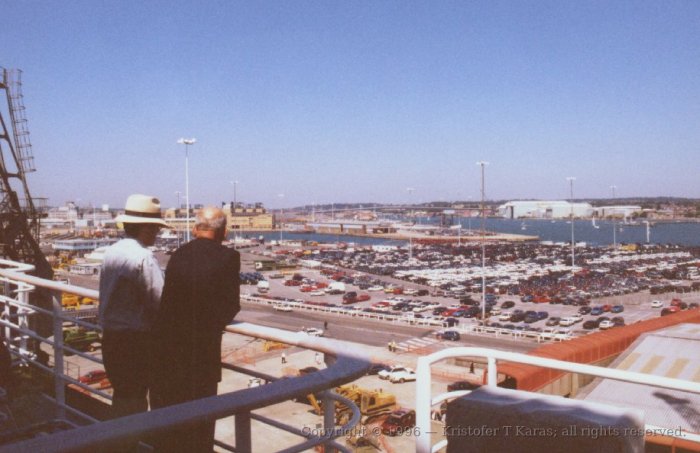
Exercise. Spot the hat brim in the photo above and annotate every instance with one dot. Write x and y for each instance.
(136, 219)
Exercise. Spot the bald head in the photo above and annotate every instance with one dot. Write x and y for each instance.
(210, 223)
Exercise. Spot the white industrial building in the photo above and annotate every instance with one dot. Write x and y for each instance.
(539, 209)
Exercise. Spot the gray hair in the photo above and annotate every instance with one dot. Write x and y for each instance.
(211, 222)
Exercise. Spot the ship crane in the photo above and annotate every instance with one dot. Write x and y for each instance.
(19, 217)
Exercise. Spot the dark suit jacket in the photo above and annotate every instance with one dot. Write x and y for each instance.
(200, 297)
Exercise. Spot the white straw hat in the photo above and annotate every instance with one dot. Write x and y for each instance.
(142, 209)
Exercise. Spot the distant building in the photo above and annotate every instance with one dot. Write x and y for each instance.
(81, 245)
(242, 217)
(539, 209)
(618, 211)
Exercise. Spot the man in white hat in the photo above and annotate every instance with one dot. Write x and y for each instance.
(131, 283)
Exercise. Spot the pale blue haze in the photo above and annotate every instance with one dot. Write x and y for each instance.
(355, 101)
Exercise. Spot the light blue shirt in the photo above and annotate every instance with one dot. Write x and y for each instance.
(131, 283)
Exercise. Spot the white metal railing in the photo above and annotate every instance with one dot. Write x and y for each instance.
(424, 401)
(344, 365)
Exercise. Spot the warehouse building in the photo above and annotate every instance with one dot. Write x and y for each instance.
(538, 209)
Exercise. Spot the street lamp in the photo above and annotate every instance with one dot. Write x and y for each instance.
(410, 237)
(571, 180)
(281, 195)
(235, 185)
(177, 211)
(483, 164)
(614, 223)
(187, 142)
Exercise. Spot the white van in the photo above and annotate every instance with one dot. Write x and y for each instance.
(263, 286)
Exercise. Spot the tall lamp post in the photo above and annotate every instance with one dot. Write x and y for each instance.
(235, 185)
(483, 165)
(571, 180)
(410, 237)
(613, 217)
(281, 195)
(187, 142)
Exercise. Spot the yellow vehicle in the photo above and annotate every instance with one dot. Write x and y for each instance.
(70, 301)
(372, 403)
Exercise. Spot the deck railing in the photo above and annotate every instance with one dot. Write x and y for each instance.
(343, 366)
(424, 400)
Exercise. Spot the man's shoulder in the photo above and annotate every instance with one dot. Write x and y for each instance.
(127, 247)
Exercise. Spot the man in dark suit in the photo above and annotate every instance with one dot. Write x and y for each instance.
(200, 297)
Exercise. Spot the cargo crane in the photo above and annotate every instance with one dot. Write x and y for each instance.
(19, 217)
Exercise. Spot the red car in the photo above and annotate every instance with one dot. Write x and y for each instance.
(363, 297)
(93, 376)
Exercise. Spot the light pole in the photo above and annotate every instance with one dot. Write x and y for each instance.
(410, 237)
(177, 210)
(187, 142)
(571, 180)
(613, 219)
(235, 185)
(483, 164)
(281, 195)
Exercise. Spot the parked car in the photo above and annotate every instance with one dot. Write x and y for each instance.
(669, 310)
(399, 374)
(384, 374)
(553, 321)
(451, 335)
(656, 304)
(590, 324)
(398, 422)
(617, 309)
(606, 324)
(508, 304)
(584, 310)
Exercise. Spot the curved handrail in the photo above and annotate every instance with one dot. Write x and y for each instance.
(423, 378)
(347, 367)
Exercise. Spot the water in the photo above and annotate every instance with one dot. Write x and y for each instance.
(686, 234)
(683, 233)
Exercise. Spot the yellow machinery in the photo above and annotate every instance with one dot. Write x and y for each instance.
(270, 345)
(372, 403)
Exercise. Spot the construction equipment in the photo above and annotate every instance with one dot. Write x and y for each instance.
(270, 345)
(372, 403)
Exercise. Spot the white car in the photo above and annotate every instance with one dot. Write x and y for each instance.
(606, 324)
(568, 321)
(317, 293)
(376, 288)
(505, 316)
(314, 332)
(656, 304)
(495, 311)
(282, 307)
(385, 374)
(402, 375)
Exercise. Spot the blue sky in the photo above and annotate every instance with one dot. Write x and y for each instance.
(355, 101)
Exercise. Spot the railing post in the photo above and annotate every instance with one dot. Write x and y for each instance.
(22, 313)
(328, 417)
(492, 372)
(423, 406)
(59, 385)
(243, 433)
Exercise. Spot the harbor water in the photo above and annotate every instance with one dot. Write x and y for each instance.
(598, 234)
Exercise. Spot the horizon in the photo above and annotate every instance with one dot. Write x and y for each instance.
(307, 102)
